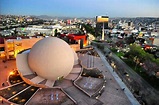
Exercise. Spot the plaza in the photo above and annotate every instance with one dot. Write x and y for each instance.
(112, 93)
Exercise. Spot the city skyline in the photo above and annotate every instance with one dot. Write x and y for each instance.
(82, 8)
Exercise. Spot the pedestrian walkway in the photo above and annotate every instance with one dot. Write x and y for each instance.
(80, 97)
(112, 94)
(127, 92)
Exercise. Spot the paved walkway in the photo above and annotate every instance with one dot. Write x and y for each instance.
(80, 97)
(50, 96)
(113, 93)
(128, 93)
(5, 69)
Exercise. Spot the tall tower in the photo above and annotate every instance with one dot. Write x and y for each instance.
(102, 24)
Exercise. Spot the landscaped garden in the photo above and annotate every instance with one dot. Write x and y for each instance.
(23, 97)
(92, 82)
(14, 77)
(92, 73)
(152, 80)
(145, 64)
(10, 91)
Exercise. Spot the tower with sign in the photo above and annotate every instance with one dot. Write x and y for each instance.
(102, 24)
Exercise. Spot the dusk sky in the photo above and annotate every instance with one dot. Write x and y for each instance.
(81, 8)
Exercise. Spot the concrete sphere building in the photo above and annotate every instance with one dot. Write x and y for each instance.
(50, 59)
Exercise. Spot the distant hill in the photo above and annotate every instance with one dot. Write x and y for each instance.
(46, 17)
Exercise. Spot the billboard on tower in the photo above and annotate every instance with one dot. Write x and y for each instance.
(102, 19)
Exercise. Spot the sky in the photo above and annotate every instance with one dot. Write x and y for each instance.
(81, 8)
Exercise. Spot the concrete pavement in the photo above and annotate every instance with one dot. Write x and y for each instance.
(127, 92)
(113, 93)
(5, 69)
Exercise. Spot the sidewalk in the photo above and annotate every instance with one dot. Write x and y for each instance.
(5, 69)
(127, 92)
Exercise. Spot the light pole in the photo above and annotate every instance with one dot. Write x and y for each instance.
(103, 32)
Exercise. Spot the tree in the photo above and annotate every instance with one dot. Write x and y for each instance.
(55, 32)
(139, 53)
(140, 56)
(88, 28)
(130, 39)
(151, 67)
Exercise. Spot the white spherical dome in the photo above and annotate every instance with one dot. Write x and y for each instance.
(51, 58)
(75, 57)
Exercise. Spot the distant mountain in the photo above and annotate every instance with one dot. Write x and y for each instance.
(46, 17)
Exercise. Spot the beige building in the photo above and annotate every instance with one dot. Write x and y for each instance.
(13, 46)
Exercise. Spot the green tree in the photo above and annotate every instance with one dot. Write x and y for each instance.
(130, 39)
(137, 52)
(88, 28)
